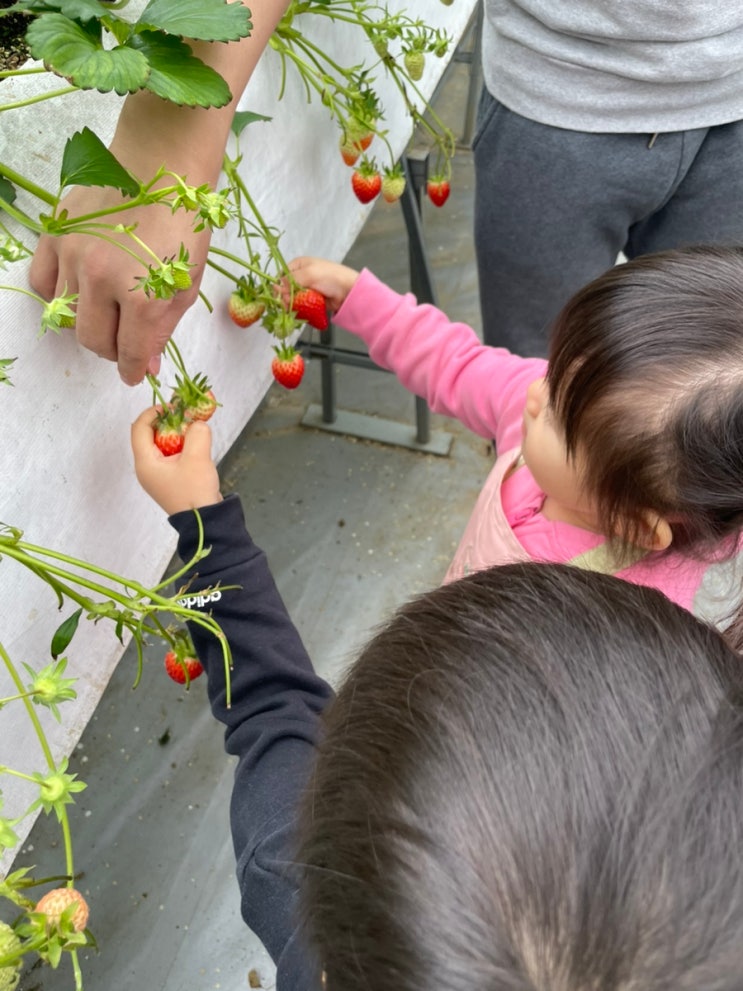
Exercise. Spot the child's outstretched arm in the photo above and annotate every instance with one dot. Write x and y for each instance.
(274, 722)
(440, 360)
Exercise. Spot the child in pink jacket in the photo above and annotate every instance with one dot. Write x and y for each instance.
(624, 452)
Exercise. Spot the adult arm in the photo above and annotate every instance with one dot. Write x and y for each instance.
(272, 726)
(113, 321)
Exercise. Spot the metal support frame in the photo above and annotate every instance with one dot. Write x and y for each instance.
(327, 416)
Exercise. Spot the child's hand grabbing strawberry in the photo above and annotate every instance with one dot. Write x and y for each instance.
(334, 281)
(187, 480)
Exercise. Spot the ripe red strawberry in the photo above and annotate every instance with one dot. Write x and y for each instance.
(415, 62)
(169, 429)
(366, 182)
(393, 184)
(438, 190)
(287, 366)
(182, 669)
(54, 903)
(243, 310)
(311, 306)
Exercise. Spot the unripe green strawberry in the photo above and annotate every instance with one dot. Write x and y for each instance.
(380, 46)
(393, 185)
(56, 901)
(9, 943)
(181, 279)
(66, 320)
(415, 62)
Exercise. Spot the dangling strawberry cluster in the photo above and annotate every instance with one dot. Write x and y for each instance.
(192, 399)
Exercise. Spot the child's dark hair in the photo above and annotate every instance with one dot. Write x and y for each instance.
(646, 379)
(532, 780)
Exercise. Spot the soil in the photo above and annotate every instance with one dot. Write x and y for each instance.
(13, 51)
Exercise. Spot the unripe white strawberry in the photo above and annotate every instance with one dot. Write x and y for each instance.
(54, 902)
(415, 62)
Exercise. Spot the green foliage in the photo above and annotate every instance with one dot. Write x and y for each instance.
(87, 162)
(68, 37)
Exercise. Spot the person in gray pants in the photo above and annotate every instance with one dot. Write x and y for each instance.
(603, 128)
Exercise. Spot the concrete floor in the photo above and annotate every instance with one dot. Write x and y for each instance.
(352, 528)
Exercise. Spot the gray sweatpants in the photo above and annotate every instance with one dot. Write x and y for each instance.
(553, 209)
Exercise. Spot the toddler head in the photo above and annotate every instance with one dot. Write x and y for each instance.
(532, 779)
(645, 381)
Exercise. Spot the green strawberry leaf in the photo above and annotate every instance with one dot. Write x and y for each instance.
(87, 162)
(244, 117)
(78, 10)
(64, 634)
(177, 75)
(78, 55)
(202, 20)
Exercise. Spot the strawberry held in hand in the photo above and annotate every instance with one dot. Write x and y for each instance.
(287, 366)
(311, 306)
(169, 428)
(393, 184)
(366, 182)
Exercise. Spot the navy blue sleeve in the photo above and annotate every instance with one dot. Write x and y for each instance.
(273, 724)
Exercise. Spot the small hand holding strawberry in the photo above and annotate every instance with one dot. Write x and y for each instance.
(333, 280)
(311, 306)
(186, 480)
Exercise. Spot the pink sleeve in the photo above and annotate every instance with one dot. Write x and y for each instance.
(443, 362)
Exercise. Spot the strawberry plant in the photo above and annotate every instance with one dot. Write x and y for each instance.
(56, 923)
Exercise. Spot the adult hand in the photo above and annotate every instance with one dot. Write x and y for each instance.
(178, 482)
(115, 318)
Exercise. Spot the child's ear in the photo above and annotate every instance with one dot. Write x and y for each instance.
(654, 532)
